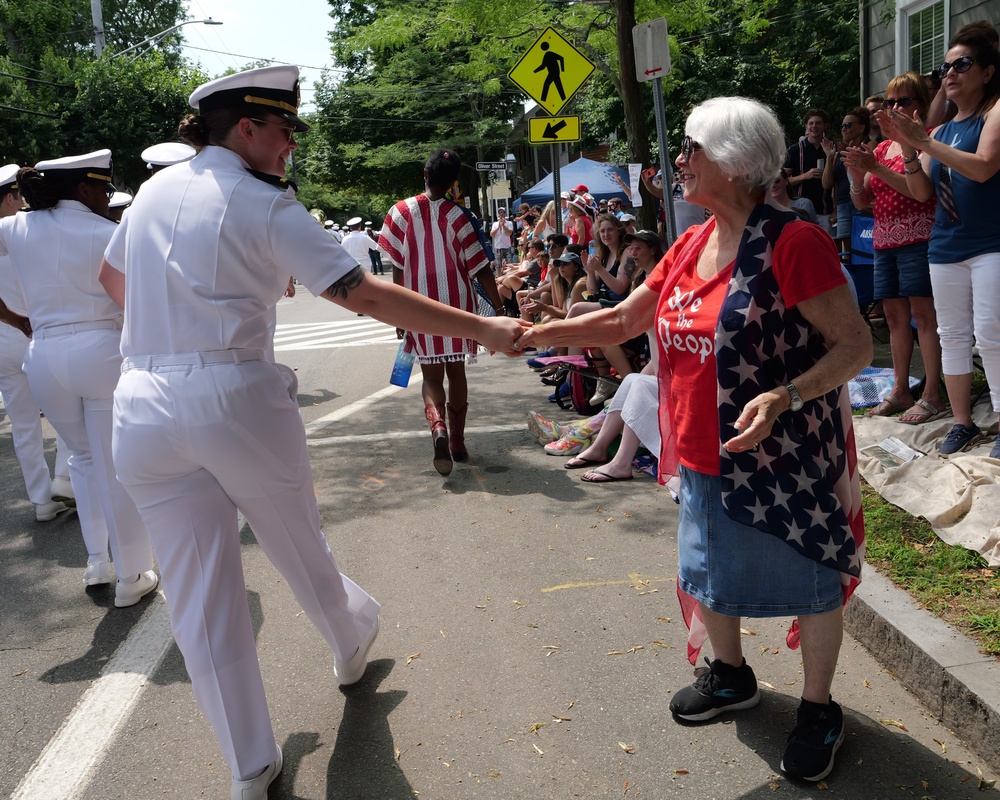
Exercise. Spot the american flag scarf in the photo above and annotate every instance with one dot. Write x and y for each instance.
(802, 483)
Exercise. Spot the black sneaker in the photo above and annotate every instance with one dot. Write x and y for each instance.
(717, 689)
(818, 734)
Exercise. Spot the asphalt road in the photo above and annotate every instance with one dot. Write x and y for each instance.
(530, 639)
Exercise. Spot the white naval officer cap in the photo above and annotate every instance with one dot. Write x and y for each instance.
(166, 154)
(328, 223)
(119, 200)
(272, 90)
(353, 221)
(94, 166)
(8, 176)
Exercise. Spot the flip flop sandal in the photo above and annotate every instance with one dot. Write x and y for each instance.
(580, 462)
(887, 408)
(926, 413)
(600, 477)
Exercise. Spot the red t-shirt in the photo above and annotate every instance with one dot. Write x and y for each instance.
(805, 264)
(899, 220)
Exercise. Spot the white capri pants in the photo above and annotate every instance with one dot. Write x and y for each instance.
(967, 302)
(73, 371)
(192, 444)
(25, 423)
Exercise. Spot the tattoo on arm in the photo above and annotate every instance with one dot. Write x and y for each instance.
(350, 281)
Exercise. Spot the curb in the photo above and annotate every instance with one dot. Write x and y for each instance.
(931, 658)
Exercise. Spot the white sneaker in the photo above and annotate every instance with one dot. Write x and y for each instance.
(128, 594)
(354, 670)
(256, 788)
(46, 512)
(98, 573)
(62, 490)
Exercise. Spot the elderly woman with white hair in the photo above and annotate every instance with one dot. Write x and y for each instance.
(757, 334)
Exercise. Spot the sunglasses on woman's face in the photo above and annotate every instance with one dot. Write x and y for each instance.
(902, 102)
(960, 65)
(688, 146)
(844, 126)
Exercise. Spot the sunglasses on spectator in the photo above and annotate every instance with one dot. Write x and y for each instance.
(688, 146)
(844, 126)
(960, 65)
(902, 102)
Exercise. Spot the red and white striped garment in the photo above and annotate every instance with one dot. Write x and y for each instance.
(436, 247)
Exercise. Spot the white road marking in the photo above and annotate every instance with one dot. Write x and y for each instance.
(326, 335)
(358, 405)
(69, 760)
(383, 437)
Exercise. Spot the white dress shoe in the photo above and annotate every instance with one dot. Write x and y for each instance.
(99, 573)
(605, 391)
(62, 489)
(256, 788)
(128, 594)
(354, 670)
(46, 512)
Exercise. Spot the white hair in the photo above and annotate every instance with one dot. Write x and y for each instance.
(742, 136)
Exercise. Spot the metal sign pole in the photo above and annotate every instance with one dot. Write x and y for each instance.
(556, 190)
(668, 173)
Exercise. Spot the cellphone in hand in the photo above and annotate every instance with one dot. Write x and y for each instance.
(649, 173)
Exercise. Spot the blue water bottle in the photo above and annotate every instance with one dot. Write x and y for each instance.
(402, 366)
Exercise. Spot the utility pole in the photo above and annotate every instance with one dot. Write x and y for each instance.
(98, 15)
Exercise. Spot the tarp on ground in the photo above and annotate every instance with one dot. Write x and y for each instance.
(598, 177)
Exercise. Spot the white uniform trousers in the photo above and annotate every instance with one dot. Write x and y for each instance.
(73, 377)
(192, 444)
(25, 423)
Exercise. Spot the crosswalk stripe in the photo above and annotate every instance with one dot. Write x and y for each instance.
(327, 335)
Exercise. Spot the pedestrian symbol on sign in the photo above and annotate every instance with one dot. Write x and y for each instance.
(553, 64)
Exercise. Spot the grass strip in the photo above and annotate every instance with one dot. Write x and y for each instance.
(950, 581)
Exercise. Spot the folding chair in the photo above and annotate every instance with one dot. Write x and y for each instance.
(860, 263)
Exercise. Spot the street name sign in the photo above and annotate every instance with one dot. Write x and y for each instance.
(548, 130)
(551, 71)
(491, 166)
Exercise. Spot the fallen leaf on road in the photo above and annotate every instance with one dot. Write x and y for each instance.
(615, 653)
(557, 718)
(397, 753)
(773, 787)
(983, 783)
(492, 774)
(636, 648)
(535, 726)
(944, 747)
(19, 674)
(411, 657)
(681, 772)
(626, 747)
(894, 723)
(658, 643)
(664, 619)
(746, 632)
(538, 750)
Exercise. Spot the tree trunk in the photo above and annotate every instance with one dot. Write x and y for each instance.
(636, 129)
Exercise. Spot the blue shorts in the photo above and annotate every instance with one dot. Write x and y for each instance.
(902, 272)
(845, 219)
(739, 571)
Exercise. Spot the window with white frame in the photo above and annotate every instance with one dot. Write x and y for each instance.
(921, 34)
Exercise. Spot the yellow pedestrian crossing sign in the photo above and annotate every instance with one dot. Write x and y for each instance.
(551, 71)
(549, 130)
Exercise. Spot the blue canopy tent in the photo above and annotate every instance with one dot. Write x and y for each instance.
(595, 175)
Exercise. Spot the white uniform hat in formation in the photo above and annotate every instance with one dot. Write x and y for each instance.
(166, 154)
(328, 223)
(353, 221)
(119, 200)
(94, 166)
(368, 223)
(271, 90)
(8, 176)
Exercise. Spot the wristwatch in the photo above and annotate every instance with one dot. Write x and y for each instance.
(794, 394)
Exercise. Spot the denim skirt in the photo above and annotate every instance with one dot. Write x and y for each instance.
(739, 571)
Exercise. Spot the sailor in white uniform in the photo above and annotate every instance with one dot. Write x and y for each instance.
(73, 360)
(22, 410)
(205, 425)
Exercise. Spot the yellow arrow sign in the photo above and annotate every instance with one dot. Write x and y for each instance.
(546, 130)
(551, 71)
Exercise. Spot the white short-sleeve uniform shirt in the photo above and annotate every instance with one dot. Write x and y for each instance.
(55, 253)
(203, 276)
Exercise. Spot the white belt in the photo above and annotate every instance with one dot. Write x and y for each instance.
(208, 358)
(75, 327)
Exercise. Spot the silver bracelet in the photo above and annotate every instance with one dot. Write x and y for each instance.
(857, 191)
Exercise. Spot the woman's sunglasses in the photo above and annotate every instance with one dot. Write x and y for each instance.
(902, 102)
(688, 146)
(844, 126)
(960, 65)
